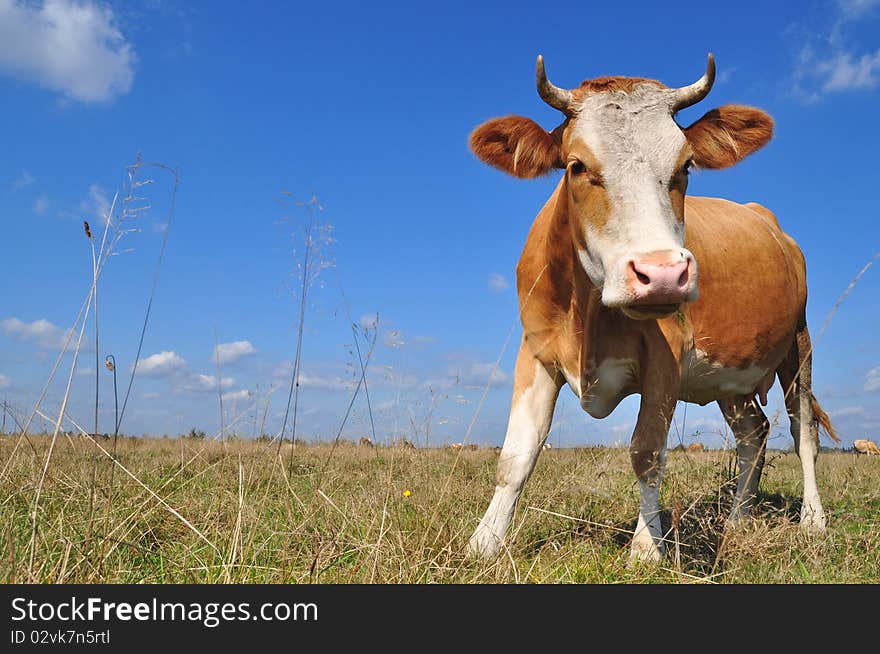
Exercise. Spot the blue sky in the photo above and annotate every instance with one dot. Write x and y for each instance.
(367, 107)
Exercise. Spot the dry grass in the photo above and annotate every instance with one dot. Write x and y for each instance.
(231, 512)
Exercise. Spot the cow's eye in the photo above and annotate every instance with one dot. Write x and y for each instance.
(686, 168)
(578, 168)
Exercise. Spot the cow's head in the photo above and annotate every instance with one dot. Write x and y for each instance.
(626, 163)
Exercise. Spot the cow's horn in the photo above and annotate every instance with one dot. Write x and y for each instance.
(688, 95)
(553, 95)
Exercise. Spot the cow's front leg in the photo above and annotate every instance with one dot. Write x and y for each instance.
(648, 456)
(535, 389)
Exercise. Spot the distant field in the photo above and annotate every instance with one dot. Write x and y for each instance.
(312, 516)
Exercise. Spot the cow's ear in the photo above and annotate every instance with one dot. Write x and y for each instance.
(728, 134)
(518, 146)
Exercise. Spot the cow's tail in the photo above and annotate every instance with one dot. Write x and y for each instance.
(805, 381)
(822, 418)
(795, 375)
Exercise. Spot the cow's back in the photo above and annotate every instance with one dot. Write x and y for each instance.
(752, 282)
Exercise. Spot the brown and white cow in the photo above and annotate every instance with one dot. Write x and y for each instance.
(866, 446)
(609, 296)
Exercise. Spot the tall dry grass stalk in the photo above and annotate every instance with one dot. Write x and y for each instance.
(219, 380)
(362, 382)
(131, 212)
(33, 541)
(93, 483)
(314, 243)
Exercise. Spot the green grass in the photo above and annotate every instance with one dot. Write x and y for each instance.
(344, 518)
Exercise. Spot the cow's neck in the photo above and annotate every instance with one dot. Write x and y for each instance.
(560, 315)
(586, 301)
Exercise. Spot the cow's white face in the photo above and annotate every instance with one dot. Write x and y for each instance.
(626, 175)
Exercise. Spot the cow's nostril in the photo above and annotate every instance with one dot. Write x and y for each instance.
(642, 277)
(683, 279)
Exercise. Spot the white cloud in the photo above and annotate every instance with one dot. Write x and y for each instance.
(162, 364)
(471, 376)
(872, 380)
(726, 74)
(234, 396)
(369, 321)
(395, 338)
(848, 411)
(828, 63)
(41, 333)
(498, 283)
(199, 383)
(41, 204)
(70, 46)
(24, 180)
(284, 370)
(843, 71)
(325, 382)
(853, 9)
(96, 203)
(232, 352)
(483, 373)
(5, 382)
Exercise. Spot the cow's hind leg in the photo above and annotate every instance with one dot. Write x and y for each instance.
(795, 375)
(750, 426)
(535, 389)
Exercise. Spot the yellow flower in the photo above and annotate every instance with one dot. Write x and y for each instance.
(407, 493)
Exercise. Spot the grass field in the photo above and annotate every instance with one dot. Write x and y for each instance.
(204, 511)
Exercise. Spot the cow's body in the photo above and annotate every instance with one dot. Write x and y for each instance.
(607, 286)
(752, 295)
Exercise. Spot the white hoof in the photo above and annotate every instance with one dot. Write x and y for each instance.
(483, 544)
(812, 519)
(644, 550)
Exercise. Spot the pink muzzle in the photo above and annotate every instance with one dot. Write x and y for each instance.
(655, 280)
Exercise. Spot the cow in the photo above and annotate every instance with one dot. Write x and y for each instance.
(365, 442)
(693, 448)
(866, 446)
(609, 297)
(547, 446)
(456, 447)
